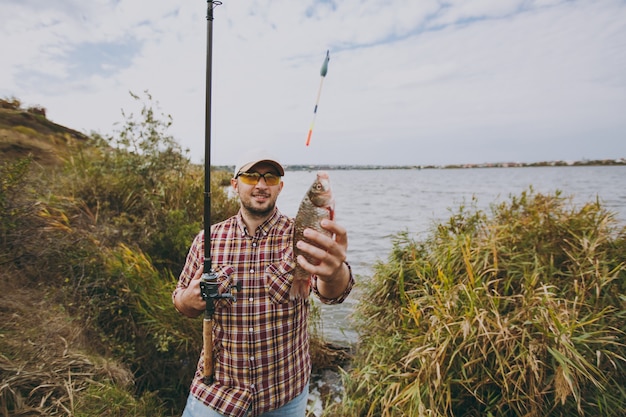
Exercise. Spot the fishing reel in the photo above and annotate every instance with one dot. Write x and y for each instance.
(209, 290)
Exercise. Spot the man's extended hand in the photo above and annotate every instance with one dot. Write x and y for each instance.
(330, 251)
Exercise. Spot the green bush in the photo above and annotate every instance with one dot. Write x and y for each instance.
(517, 314)
(139, 186)
(130, 302)
(141, 202)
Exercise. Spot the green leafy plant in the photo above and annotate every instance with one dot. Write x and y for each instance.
(520, 313)
(131, 303)
(140, 187)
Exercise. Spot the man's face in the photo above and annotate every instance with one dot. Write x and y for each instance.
(258, 200)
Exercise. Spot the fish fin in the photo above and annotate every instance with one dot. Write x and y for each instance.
(300, 289)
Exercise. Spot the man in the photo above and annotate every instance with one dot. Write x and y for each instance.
(261, 346)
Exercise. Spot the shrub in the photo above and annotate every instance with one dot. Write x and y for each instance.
(518, 314)
(141, 188)
(37, 110)
(11, 103)
(130, 302)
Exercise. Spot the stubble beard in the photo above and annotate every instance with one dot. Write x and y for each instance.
(259, 212)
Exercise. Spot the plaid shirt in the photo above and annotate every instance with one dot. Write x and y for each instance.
(261, 342)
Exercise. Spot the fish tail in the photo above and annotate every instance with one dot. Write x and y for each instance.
(300, 289)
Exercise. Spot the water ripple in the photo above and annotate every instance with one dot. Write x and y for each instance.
(375, 205)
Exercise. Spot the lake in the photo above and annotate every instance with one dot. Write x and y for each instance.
(375, 205)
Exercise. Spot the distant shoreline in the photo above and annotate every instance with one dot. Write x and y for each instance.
(314, 167)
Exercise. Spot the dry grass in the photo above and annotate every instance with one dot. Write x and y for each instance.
(24, 133)
(517, 314)
(45, 364)
(88, 258)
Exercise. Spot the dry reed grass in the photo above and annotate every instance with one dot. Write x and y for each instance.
(517, 314)
(46, 364)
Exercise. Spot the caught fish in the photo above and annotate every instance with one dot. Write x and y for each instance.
(317, 204)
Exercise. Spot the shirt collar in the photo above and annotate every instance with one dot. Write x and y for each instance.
(264, 228)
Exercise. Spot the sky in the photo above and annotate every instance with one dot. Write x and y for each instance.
(409, 82)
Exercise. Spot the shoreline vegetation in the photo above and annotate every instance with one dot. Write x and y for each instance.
(316, 167)
(517, 311)
(32, 121)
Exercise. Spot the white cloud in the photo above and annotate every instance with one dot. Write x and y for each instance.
(408, 82)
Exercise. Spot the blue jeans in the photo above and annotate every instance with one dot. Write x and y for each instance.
(294, 408)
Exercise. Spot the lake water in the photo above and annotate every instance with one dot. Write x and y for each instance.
(375, 205)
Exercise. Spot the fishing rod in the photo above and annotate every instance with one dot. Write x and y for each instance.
(208, 282)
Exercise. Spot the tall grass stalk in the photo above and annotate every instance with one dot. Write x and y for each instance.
(516, 313)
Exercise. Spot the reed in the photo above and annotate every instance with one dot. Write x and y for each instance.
(515, 312)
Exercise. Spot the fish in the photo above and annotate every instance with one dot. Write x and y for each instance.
(318, 204)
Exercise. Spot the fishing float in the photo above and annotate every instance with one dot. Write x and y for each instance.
(323, 72)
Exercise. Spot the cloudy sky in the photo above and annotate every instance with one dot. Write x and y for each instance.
(409, 82)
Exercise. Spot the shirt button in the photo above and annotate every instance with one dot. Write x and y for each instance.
(251, 358)
(254, 245)
(250, 329)
(252, 271)
(251, 299)
(251, 386)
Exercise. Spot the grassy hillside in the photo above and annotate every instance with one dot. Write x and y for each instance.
(93, 234)
(25, 132)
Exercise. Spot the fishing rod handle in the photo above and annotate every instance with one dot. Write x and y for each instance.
(207, 335)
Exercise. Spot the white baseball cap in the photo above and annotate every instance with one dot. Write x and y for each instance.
(256, 157)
